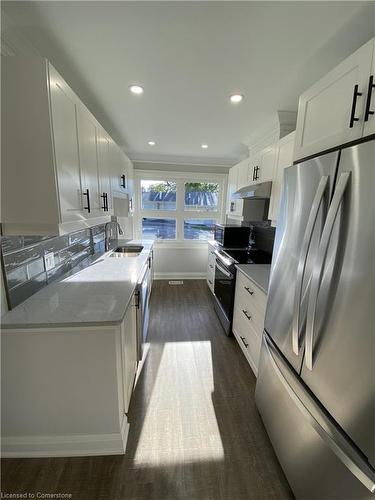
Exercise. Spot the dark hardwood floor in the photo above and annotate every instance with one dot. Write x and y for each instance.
(195, 433)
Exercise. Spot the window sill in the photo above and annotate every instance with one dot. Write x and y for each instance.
(180, 244)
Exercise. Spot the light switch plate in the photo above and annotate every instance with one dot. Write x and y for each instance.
(49, 261)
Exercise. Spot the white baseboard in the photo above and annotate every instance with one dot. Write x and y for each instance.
(180, 276)
(66, 446)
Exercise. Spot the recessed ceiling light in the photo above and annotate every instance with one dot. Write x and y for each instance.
(236, 98)
(151, 143)
(136, 89)
(204, 146)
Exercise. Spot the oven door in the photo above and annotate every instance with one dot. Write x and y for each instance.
(224, 288)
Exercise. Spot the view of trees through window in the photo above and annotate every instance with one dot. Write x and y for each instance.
(161, 196)
(158, 195)
(202, 196)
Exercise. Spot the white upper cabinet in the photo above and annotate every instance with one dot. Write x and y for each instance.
(331, 112)
(243, 173)
(88, 161)
(56, 164)
(267, 163)
(232, 186)
(105, 167)
(369, 117)
(284, 159)
(63, 108)
(120, 173)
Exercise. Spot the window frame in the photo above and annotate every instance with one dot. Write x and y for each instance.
(180, 214)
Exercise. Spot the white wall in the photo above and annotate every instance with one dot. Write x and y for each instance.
(180, 263)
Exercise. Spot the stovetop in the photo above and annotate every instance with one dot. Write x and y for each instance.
(249, 256)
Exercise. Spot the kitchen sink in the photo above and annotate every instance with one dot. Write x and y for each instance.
(127, 251)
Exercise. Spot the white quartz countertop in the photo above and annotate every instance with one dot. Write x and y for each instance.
(257, 273)
(98, 294)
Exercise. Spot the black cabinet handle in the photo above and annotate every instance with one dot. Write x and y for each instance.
(371, 87)
(87, 194)
(105, 201)
(256, 173)
(253, 173)
(211, 266)
(210, 282)
(248, 290)
(246, 314)
(244, 342)
(353, 118)
(123, 181)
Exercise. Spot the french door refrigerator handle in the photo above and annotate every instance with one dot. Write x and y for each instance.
(319, 266)
(323, 424)
(318, 198)
(371, 87)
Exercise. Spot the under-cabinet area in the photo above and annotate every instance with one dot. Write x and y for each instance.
(187, 250)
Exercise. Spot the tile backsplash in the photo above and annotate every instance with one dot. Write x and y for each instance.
(23, 263)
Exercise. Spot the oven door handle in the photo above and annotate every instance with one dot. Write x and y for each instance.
(222, 258)
(226, 273)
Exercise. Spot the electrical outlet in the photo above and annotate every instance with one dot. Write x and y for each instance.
(49, 261)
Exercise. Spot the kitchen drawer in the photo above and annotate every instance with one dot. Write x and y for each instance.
(211, 278)
(211, 266)
(249, 339)
(250, 294)
(252, 316)
(211, 256)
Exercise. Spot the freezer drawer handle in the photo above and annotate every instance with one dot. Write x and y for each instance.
(246, 314)
(248, 290)
(323, 424)
(310, 226)
(353, 118)
(371, 87)
(319, 265)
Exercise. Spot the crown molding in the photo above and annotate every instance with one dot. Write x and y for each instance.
(181, 160)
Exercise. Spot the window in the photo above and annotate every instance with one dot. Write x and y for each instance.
(158, 229)
(158, 195)
(201, 196)
(199, 229)
(177, 206)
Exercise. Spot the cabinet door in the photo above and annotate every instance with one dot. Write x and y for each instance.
(284, 158)
(104, 169)
(88, 162)
(63, 111)
(129, 351)
(324, 110)
(119, 176)
(243, 174)
(370, 100)
(267, 164)
(232, 184)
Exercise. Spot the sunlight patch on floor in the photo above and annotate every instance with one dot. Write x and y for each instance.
(180, 422)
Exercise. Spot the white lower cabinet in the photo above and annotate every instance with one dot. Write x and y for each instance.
(211, 261)
(248, 318)
(129, 351)
(66, 390)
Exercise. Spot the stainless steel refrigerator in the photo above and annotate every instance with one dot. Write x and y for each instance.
(316, 382)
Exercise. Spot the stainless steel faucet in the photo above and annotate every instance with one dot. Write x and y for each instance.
(109, 226)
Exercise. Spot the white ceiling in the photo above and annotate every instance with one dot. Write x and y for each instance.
(190, 56)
